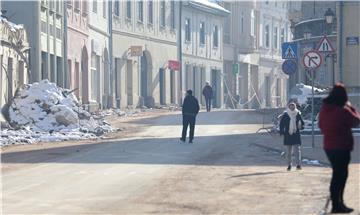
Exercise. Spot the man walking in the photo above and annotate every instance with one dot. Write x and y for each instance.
(208, 94)
(190, 109)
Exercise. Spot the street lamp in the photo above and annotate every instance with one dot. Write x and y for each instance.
(329, 16)
(329, 19)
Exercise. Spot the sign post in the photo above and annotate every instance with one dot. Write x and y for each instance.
(312, 60)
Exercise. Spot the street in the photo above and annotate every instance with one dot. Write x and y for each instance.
(228, 170)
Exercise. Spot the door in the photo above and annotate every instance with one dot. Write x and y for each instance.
(214, 85)
(267, 91)
(129, 82)
(172, 86)
(162, 86)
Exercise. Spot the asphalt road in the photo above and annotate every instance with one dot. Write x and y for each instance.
(150, 172)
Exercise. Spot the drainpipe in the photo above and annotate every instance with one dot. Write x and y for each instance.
(341, 18)
(66, 81)
(112, 73)
(180, 51)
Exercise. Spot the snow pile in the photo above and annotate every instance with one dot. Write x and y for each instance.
(302, 92)
(44, 107)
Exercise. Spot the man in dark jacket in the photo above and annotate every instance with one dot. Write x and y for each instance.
(190, 109)
(208, 94)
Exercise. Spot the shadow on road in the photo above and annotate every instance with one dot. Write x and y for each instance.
(226, 150)
(257, 174)
(215, 118)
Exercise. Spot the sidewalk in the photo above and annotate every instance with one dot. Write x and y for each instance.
(352, 192)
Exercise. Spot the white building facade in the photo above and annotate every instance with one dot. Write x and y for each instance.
(13, 61)
(253, 37)
(274, 29)
(202, 48)
(99, 79)
(145, 54)
(44, 23)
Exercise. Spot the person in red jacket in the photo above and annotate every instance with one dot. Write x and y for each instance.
(336, 119)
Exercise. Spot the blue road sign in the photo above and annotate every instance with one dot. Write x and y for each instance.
(289, 67)
(289, 50)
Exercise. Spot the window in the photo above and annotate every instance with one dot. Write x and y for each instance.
(51, 5)
(252, 23)
(84, 7)
(117, 8)
(52, 30)
(162, 13)
(58, 33)
(150, 12)
(282, 36)
(43, 27)
(242, 22)
(202, 33)
(275, 3)
(128, 9)
(95, 61)
(140, 11)
(227, 24)
(276, 37)
(216, 36)
(94, 6)
(267, 39)
(172, 5)
(187, 30)
(77, 5)
(104, 8)
(57, 5)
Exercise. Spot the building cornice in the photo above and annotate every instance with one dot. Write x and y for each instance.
(79, 31)
(99, 30)
(202, 58)
(132, 35)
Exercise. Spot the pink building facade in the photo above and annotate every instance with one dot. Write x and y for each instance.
(78, 48)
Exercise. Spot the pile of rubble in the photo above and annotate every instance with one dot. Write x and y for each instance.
(43, 107)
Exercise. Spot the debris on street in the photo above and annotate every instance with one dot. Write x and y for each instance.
(42, 111)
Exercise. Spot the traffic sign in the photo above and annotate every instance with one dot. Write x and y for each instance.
(312, 59)
(235, 69)
(289, 50)
(289, 67)
(325, 45)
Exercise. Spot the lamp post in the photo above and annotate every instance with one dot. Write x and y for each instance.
(329, 20)
(307, 36)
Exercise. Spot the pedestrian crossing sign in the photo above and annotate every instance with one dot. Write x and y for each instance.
(289, 50)
(325, 45)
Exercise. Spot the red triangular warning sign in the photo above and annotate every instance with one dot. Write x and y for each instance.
(325, 45)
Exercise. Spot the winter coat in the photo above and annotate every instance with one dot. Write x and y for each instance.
(208, 92)
(293, 139)
(190, 106)
(335, 123)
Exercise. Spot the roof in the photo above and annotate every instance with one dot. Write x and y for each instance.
(209, 6)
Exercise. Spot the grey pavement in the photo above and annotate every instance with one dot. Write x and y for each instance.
(228, 170)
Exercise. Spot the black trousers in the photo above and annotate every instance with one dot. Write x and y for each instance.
(188, 120)
(339, 162)
(208, 104)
